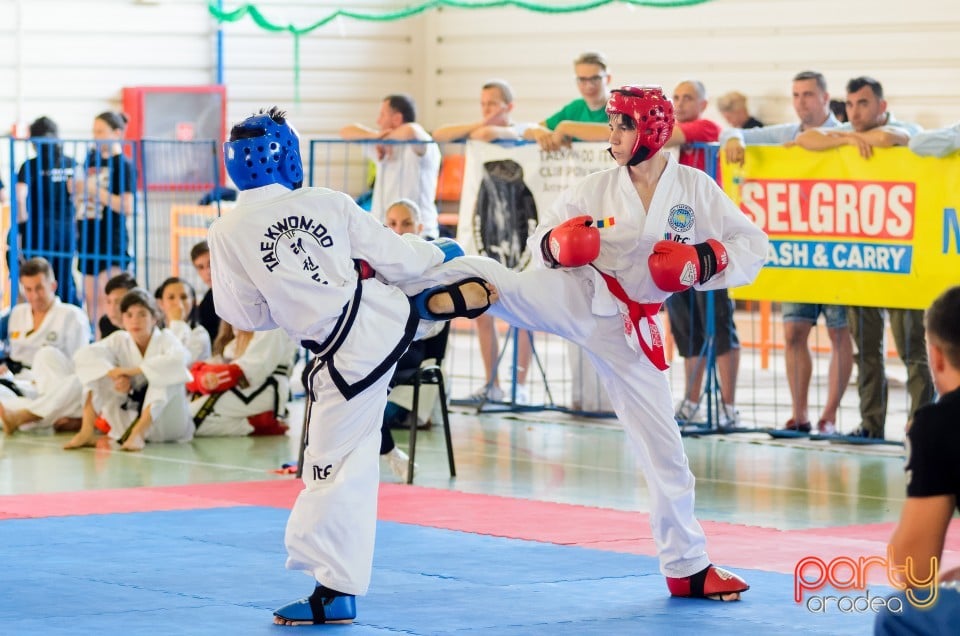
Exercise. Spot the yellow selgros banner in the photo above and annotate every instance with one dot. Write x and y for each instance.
(845, 230)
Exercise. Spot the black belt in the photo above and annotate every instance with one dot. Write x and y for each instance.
(10, 384)
(325, 353)
(325, 350)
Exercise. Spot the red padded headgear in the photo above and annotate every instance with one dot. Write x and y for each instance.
(652, 114)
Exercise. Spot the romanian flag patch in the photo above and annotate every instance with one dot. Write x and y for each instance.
(607, 222)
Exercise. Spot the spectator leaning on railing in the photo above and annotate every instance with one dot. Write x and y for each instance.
(872, 126)
(585, 118)
(936, 143)
(496, 104)
(687, 310)
(404, 171)
(811, 101)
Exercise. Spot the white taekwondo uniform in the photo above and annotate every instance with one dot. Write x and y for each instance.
(162, 384)
(266, 364)
(47, 381)
(687, 205)
(284, 258)
(196, 340)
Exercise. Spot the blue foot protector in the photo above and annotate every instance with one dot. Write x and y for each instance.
(459, 303)
(323, 606)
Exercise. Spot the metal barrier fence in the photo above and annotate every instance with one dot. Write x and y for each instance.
(559, 376)
(94, 209)
(154, 189)
(763, 390)
(178, 181)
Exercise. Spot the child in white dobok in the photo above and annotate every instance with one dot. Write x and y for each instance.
(177, 299)
(135, 380)
(244, 388)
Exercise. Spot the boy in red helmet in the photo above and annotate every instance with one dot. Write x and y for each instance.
(614, 247)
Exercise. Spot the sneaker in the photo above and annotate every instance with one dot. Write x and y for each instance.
(800, 427)
(486, 394)
(866, 434)
(729, 416)
(522, 395)
(826, 428)
(686, 410)
(399, 462)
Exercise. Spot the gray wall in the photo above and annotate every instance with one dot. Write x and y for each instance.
(69, 59)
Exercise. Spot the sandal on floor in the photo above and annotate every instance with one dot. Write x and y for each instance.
(460, 309)
(319, 609)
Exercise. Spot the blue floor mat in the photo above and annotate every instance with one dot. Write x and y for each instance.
(220, 571)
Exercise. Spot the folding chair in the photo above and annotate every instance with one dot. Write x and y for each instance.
(429, 372)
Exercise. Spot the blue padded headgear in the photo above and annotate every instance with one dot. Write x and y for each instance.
(272, 156)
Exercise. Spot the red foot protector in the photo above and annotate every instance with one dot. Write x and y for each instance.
(712, 582)
(266, 423)
(102, 425)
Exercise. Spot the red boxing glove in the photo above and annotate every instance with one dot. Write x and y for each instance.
(196, 371)
(227, 375)
(675, 267)
(573, 243)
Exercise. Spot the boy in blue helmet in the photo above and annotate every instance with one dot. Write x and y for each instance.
(296, 258)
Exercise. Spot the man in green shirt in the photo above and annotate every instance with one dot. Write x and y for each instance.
(583, 119)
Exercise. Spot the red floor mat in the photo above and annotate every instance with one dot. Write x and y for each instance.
(598, 528)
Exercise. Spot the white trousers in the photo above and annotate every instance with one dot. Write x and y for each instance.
(168, 410)
(55, 392)
(332, 527)
(561, 302)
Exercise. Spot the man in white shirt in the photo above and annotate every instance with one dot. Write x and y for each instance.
(939, 142)
(872, 126)
(404, 170)
(496, 104)
(811, 102)
(38, 386)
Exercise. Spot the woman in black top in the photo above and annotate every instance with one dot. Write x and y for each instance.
(45, 214)
(105, 200)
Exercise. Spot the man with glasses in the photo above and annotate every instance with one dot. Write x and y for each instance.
(583, 119)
